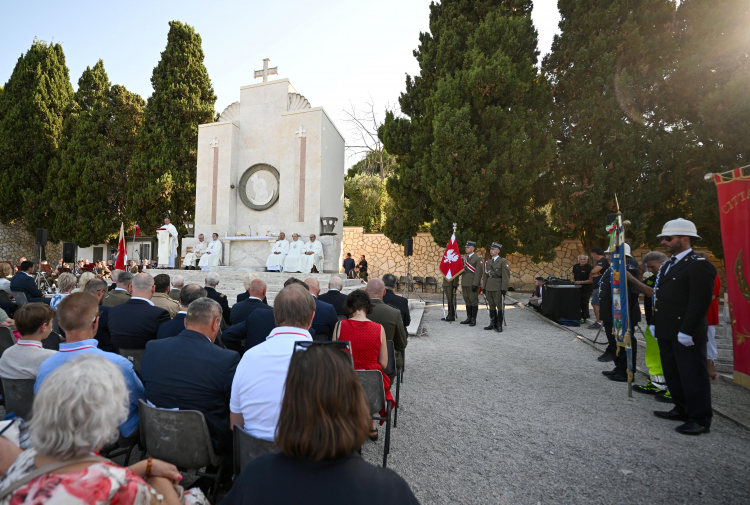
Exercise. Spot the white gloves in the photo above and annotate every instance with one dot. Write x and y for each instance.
(685, 340)
(652, 329)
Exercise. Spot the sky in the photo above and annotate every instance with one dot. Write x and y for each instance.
(337, 53)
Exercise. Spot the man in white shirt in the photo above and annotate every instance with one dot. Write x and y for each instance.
(192, 258)
(312, 257)
(275, 261)
(258, 385)
(212, 256)
(292, 260)
(21, 361)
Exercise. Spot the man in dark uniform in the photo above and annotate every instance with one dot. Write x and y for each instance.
(581, 273)
(683, 293)
(496, 279)
(212, 280)
(450, 286)
(470, 282)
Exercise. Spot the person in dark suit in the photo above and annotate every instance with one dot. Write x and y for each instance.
(113, 276)
(389, 318)
(349, 266)
(334, 296)
(394, 300)
(325, 318)
(682, 296)
(135, 322)
(256, 292)
(188, 294)
(24, 282)
(190, 373)
(178, 282)
(212, 280)
(98, 288)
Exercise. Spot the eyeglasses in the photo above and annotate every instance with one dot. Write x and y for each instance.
(667, 239)
(97, 315)
(342, 345)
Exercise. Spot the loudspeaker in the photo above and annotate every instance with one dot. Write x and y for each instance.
(41, 236)
(409, 247)
(69, 252)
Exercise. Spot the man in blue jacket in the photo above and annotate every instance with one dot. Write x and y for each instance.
(24, 282)
(325, 318)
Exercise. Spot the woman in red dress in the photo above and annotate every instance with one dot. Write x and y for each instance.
(367, 339)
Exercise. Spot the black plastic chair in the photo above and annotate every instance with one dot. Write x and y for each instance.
(52, 341)
(7, 340)
(135, 356)
(180, 437)
(431, 281)
(393, 366)
(401, 282)
(248, 447)
(19, 396)
(372, 383)
(20, 297)
(124, 445)
(419, 281)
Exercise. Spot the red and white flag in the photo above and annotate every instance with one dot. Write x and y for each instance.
(451, 265)
(122, 251)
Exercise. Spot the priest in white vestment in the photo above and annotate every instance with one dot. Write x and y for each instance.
(212, 256)
(296, 248)
(312, 256)
(192, 258)
(275, 261)
(167, 238)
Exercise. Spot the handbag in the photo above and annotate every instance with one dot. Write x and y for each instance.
(47, 469)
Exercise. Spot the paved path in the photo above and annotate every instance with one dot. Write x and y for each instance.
(525, 417)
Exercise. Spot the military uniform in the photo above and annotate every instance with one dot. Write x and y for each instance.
(222, 300)
(470, 282)
(449, 288)
(496, 280)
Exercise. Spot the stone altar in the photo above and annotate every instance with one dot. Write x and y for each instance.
(271, 163)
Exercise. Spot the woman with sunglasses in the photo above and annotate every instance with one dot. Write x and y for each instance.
(367, 339)
(322, 425)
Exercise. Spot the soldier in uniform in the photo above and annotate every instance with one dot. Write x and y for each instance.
(470, 282)
(449, 288)
(496, 279)
(212, 280)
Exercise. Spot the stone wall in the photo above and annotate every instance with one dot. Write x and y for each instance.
(385, 257)
(15, 242)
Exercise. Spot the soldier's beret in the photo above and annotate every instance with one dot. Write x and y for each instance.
(495, 245)
(469, 243)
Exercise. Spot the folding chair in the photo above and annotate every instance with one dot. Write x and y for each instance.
(393, 366)
(52, 342)
(341, 317)
(20, 297)
(401, 282)
(431, 281)
(247, 448)
(19, 396)
(124, 445)
(7, 339)
(419, 281)
(180, 437)
(372, 383)
(135, 356)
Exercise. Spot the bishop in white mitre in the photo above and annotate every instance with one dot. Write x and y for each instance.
(292, 260)
(192, 258)
(312, 256)
(167, 237)
(212, 256)
(275, 261)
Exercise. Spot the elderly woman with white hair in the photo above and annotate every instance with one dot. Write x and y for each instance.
(65, 285)
(76, 413)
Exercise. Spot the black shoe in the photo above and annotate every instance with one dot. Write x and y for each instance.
(647, 389)
(691, 428)
(604, 358)
(474, 311)
(618, 378)
(664, 397)
(671, 415)
(610, 372)
(499, 325)
(448, 318)
(468, 316)
(493, 319)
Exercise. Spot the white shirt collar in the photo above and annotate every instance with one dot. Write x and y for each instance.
(332, 289)
(182, 312)
(121, 289)
(254, 298)
(144, 299)
(682, 254)
(29, 343)
(289, 332)
(470, 255)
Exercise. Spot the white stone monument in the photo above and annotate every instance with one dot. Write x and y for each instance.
(270, 163)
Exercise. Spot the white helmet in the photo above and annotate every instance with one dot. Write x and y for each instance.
(627, 249)
(679, 227)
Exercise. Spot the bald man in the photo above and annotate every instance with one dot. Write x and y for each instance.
(135, 322)
(241, 311)
(388, 317)
(325, 318)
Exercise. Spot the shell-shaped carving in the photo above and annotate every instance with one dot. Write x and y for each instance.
(231, 113)
(297, 102)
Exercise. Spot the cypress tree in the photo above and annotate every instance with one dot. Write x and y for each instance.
(476, 146)
(162, 175)
(32, 108)
(86, 184)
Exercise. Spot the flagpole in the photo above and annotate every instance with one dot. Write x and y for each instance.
(625, 300)
(135, 227)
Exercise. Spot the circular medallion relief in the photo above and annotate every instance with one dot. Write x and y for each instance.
(259, 186)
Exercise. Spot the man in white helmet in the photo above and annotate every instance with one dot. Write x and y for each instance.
(682, 296)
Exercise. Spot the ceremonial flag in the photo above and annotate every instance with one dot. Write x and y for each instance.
(621, 299)
(733, 189)
(122, 251)
(451, 264)
(137, 229)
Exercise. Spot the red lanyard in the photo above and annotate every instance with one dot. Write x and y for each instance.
(77, 349)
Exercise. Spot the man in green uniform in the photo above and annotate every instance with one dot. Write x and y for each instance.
(470, 282)
(496, 279)
(449, 290)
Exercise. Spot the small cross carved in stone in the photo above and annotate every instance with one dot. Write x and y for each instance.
(214, 142)
(266, 71)
(301, 132)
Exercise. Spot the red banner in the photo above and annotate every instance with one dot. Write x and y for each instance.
(451, 264)
(734, 201)
(122, 251)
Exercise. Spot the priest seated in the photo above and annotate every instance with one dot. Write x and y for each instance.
(192, 258)
(275, 261)
(312, 257)
(212, 256)
(292, 260)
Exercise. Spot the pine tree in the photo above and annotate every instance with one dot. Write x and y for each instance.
(608, 66)
(86, 184)
(32, 108)
(477, 145)
(162, 175)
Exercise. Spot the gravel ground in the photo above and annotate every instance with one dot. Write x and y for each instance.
(525, 417)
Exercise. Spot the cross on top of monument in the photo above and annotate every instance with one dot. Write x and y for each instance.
(301, 132)
(266, 71)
